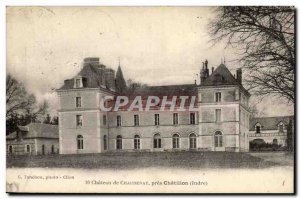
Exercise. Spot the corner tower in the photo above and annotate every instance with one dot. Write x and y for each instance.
(223, 111)
(82, 125)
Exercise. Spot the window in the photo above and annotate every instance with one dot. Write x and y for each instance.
(193, 141)
(52, 149)
(257, 128)
(119, 142)
(218, 115)
(136, 120)
(78, 102)
(218, 97)
(28, 148)
(157, 141)
(275, 141)
(105, 142)
(280, 127)
(218, 139)
(175, 118)
(10, 149)
(43, 150)
(79, 142)
(175, 141)
(192, 118)
(77, 83)
(119, 120)
(78, 120)
(156, 116)
(136, 142)
(104, 119)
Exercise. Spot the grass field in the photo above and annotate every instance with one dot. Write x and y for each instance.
(192, 160)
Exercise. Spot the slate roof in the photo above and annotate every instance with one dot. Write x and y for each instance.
(36, 130)
(91, 72)
(221, 75)
(167, 90)
(120, 81)
(269, 123)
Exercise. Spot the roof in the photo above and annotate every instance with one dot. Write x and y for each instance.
(36, 130)
(220, 76)
(269, 123)
(23, 128)
(120, 81)
(93, 73)
(167, 90)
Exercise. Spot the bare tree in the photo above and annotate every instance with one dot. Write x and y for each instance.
(266, 38)
(255, 112)
(54, 120)
(21, 106)
(132, 85)
(18, 100)
(47, 119)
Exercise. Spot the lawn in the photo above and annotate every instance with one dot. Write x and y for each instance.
(192, 160)
(280, 158)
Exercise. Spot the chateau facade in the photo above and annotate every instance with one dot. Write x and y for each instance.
(219, 120)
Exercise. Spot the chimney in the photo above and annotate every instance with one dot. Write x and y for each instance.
(202, 74)
(109, 78)
(239, 75)
(206, 69)
(91, 60)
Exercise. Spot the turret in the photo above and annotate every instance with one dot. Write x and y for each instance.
(120, 81)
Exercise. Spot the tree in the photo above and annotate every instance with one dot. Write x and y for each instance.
(21, 106)
(132, 85)
(47, 119)
(17, 98)
(54, 120)
(266, 38)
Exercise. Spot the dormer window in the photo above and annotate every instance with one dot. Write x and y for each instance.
(78, 83)
(257, 128)
(280, 127)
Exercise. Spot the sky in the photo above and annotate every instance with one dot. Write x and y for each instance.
(156, 46)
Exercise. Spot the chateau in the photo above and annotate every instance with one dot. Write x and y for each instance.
(219, 120)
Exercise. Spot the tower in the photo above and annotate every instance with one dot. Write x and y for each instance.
(120, 81)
